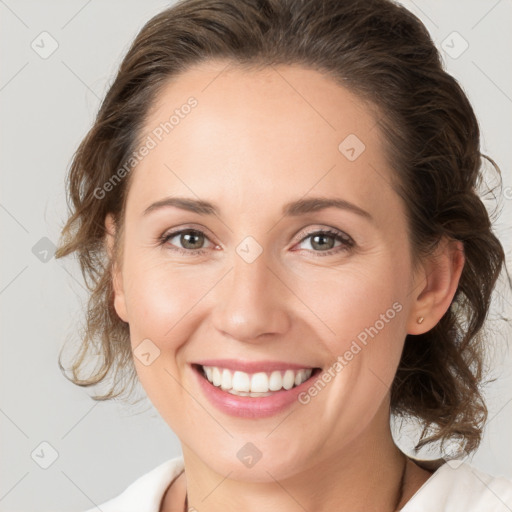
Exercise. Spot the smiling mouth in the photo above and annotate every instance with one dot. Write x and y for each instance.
(256, 384)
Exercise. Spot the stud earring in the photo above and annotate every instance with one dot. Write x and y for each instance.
(420, 319)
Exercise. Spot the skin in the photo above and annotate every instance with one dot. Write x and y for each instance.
(256, 140)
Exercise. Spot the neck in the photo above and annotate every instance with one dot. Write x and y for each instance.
(364, 475)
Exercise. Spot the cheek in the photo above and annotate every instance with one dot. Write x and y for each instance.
(166, 306)
(163, 308)
(363, 318)
(348, 300)
(362, 314)
(160, 295)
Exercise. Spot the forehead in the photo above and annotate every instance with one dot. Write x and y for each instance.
(272, 133)
(291, 101)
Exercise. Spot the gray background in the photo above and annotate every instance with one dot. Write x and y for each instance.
(47, 105)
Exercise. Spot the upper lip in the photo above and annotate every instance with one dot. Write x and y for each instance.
(252, 366)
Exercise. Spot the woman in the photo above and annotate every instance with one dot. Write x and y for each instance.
(276, 210)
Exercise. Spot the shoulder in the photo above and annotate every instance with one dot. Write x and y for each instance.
(457, 486)
(145, 493)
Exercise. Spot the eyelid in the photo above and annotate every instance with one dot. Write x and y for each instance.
(163, 240)
(190, 227)
(305, 233)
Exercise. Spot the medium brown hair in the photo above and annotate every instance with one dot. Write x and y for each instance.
(384, 54)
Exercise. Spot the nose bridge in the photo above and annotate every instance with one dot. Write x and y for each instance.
(251, 300)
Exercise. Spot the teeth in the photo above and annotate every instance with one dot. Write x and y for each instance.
(288, 379)
(241, 381)
(216, 378)
(275, 382)
(256, 384)
(226, 379)
(259, 382)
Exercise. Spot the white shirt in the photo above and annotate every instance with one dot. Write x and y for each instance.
(454, 487)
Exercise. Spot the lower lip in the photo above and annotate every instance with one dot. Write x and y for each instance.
(251, 407)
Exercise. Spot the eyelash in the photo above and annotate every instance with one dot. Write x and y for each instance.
(347, 242)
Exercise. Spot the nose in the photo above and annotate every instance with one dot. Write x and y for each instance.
(251, 301)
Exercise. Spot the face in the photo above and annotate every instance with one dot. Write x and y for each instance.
(260, 280)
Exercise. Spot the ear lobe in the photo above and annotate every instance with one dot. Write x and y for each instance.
(117, 277)
(436, 286)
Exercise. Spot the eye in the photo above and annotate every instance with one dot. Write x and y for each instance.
(191, 240)
(323, 242)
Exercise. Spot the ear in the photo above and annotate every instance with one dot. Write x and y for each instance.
(435, 286)
(117, 276)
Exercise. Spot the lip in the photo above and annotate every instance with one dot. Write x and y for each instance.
(251, 407)
(251, 366)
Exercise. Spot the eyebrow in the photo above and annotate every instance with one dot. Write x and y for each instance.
(291, 209)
